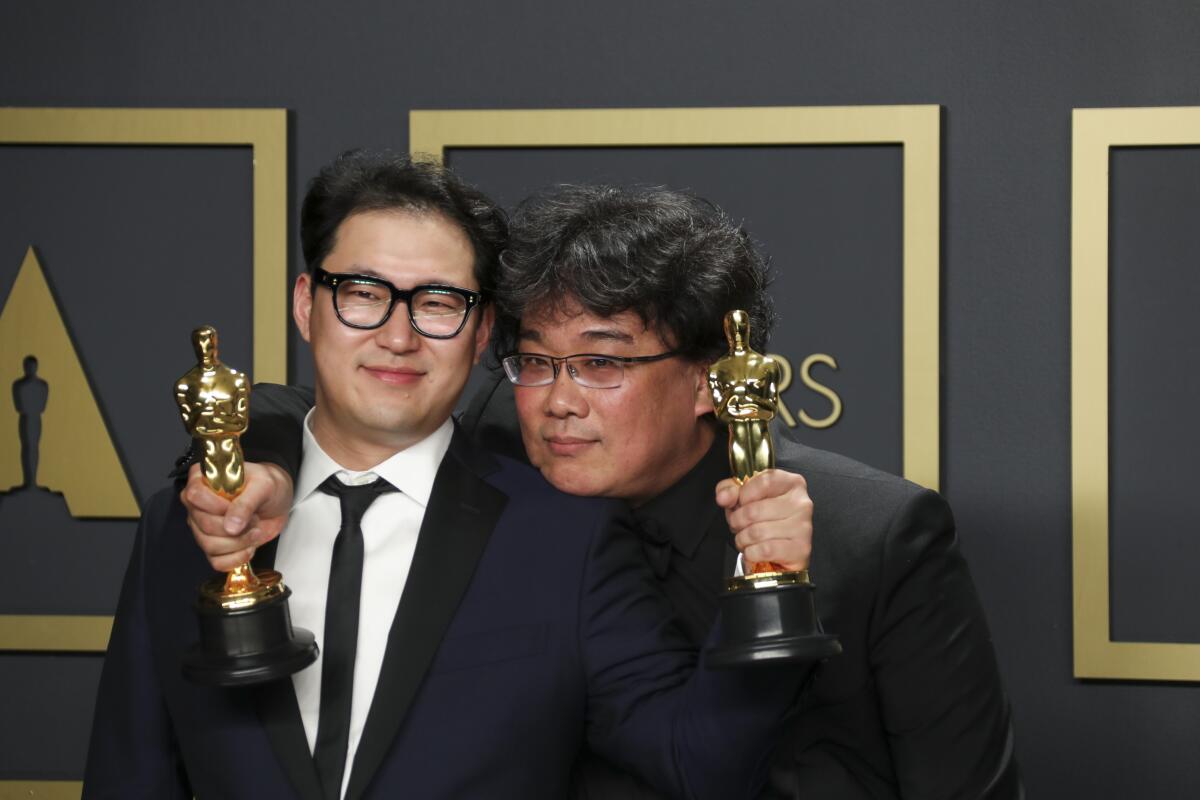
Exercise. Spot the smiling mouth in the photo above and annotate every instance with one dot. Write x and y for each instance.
(395, 376)
(567, 445)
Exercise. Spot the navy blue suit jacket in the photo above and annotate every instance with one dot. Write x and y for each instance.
(528, 626)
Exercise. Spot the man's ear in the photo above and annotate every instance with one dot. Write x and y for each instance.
(704, 403)
(302, 300)
(487, 317)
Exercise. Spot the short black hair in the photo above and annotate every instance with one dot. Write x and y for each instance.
(363, 180)
(675, 259)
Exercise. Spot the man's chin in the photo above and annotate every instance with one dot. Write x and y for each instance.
(571, 480)
(385, 425)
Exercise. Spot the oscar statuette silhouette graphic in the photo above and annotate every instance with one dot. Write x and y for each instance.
(767, 614)
(39, 534)
(30, 395)
(246, 633)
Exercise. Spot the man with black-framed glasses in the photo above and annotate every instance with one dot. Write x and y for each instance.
(435, 310)
(476, 625)
(610, 306)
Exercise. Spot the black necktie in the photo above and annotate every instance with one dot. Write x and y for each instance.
(341, 631)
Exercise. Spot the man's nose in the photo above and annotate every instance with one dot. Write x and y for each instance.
(397, 333)
(565, 398)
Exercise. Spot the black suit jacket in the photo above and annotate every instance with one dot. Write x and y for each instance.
(528, 626)
(914, 707)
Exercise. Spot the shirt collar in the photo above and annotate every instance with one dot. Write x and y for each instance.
(683, 513)
(412, 470)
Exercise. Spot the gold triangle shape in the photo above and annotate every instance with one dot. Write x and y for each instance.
(77, 453)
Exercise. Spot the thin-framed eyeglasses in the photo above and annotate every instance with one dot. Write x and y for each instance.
(435, 310)
(593, 370)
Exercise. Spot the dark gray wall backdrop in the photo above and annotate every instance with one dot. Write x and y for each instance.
(1007, 75)
(1155, 364)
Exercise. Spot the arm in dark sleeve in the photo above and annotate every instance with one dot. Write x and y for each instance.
(133, 751)
(688, 730)
(945, 712)
(276, 415)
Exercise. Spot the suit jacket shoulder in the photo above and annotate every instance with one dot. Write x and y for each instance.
(914, 707)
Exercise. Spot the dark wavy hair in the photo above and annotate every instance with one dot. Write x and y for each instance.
(363, 180)
(674, 259)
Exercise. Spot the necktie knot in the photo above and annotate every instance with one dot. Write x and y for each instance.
(355, 500)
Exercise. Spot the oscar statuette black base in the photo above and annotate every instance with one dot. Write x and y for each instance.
(245, 646)
(770, 624)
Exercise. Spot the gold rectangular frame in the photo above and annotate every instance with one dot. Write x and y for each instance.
(265, 132)
(41, 790)
(917, 128)
(1095, 132)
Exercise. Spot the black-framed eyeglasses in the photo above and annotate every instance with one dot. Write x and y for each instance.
(593, 370)
(434, 310)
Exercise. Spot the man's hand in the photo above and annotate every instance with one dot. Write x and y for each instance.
(228, 531)
(771, 516)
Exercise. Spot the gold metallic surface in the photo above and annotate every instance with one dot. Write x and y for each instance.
(32, 324)
(745, 389)
(917, 129)
(38, 633)
(265, 132)
(835, 401)
(767, 580)
(41, 790)
(248, 588)
(214, 402)
(1095, 132)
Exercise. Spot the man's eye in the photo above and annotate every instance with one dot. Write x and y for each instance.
(435, 307)
(361, 293)
(599, 363)
(431, 302)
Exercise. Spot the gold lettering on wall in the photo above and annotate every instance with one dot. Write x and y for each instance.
(806, 377)
(835, 402)
(76, 455)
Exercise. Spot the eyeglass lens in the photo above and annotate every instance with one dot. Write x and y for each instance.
(435, 312)
(594, 372)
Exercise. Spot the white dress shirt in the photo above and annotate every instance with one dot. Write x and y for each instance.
(390, 527)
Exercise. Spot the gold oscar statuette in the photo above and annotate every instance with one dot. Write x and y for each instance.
(768, 613)
(214, 401)
(246, 635)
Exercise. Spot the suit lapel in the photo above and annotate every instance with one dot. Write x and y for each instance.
(280, 715)
(462, 511)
